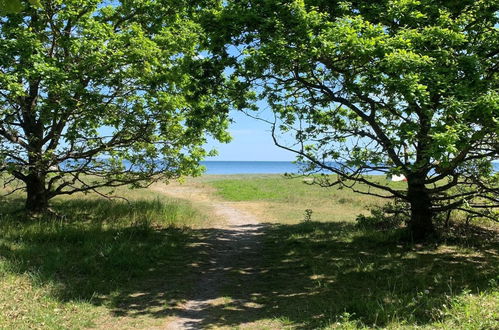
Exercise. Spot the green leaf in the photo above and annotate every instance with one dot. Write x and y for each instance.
(36, 3)
(11, 6)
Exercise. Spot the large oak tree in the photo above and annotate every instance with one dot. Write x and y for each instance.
(98, 93)
(400, 87)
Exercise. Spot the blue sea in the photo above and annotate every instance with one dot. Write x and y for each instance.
(258, 167)
(248, 167)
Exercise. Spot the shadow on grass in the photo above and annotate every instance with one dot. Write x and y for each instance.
(338, 272)
(307, 275)
(100, 249)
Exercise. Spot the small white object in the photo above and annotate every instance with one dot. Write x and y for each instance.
(398, 177)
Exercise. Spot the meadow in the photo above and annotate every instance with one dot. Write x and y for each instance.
(325, 271)
(83, 269)
(132, 264)
(284, 200)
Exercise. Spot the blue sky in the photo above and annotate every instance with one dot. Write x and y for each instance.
(251, 141)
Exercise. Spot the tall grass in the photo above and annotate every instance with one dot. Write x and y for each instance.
(69, 272)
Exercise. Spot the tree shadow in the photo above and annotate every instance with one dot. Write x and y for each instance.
(312, 274)
(307, 275)
(98, 250)
(221, 261)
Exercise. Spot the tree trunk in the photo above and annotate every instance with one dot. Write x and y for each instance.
(37, 195)
(421, 224)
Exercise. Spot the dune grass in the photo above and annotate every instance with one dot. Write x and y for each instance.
(78, 270)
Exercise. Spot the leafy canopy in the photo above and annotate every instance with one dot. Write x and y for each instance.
(121, 91)
(401, 86)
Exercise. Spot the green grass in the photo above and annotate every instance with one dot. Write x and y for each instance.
(285, 200)
(132, 264)
(96, 261)
(282, 189)
(328, 273)
(374, 278)
(333, 275)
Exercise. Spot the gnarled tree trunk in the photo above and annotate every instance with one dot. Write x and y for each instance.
(421, 224)
(37, 195)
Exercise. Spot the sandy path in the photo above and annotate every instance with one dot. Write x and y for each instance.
(237, 242)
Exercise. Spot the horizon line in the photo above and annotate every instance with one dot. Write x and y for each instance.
(214, 160)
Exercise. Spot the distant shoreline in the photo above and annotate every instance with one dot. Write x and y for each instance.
(218, 167)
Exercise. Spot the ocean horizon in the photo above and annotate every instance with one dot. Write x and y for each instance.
(261, 167)
(249, 167)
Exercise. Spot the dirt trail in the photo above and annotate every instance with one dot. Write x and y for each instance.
(236, 246)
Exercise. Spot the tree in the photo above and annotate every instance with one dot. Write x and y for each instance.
(10, 6)
(399, 87)
(101, 94)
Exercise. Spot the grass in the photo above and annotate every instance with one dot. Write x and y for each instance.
(329, 273)
(116, 264)
(78, 271)
(341, 274)
(285, 200)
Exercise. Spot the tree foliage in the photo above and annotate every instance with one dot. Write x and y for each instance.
(395, 86)
(100, 94)
(10, 6)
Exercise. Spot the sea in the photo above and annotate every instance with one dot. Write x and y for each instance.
(249, 167)
(260, 167)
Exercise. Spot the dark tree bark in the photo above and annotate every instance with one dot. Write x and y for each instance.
(421, 224)
(37, 195)
(36, 191)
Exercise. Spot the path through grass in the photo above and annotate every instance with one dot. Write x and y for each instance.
(112, 264)
(331, 274)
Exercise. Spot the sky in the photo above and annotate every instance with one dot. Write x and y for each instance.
(251, 141)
